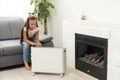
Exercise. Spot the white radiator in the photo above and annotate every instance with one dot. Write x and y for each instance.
(48, 60)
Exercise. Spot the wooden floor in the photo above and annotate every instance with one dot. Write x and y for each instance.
(19, 73)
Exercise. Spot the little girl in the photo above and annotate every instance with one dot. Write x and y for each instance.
(29, 37)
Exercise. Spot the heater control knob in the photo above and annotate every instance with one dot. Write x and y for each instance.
(88, 71)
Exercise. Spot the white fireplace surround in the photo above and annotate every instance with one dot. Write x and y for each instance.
(110, 31)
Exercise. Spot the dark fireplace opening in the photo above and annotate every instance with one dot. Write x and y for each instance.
(91, 55)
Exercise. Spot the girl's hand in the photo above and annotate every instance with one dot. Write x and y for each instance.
(38, 43)
(33, 44)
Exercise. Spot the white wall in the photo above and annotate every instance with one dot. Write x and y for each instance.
(55, 22)
(19, 8)
(104, 10)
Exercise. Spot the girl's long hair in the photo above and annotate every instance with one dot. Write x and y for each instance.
(27, 27)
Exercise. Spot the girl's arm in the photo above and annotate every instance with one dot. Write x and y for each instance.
(37, 40)
(26, 39)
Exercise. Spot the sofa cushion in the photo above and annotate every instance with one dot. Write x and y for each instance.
(4, 29)
(11, 47)
(1, 50)
(45, 38)
(48, 44)
(16, 24)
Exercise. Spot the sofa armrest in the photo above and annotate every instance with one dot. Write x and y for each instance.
(45, 38)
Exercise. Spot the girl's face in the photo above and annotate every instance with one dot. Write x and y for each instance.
(32, 24)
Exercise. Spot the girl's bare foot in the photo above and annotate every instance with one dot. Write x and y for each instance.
(27, 66)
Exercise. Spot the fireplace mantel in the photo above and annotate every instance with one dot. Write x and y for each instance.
(110, 31)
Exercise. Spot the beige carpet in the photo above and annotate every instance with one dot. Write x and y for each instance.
(19, 73)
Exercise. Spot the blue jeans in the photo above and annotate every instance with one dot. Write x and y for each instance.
(26, 49)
